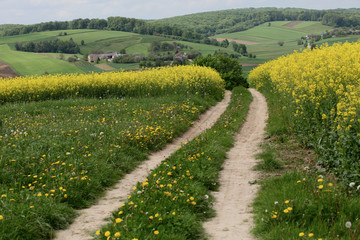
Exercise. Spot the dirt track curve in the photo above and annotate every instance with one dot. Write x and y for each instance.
(232, 206)
(233, 220)
(92, 218)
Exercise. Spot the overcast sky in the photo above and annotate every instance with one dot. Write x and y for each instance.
(36, 11)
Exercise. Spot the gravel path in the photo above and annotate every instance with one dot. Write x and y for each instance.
(234, 218)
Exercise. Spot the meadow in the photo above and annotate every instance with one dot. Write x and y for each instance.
(26, 63)
(265, 39)
(61, 152)
(313, 99)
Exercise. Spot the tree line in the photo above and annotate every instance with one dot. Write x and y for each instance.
(112, 23)
(53, 46)
(235, 20)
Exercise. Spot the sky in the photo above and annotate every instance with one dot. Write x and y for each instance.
(37, 11)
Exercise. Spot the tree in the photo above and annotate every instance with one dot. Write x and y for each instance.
(281, 43)
(229, 69)
(224, 43)
(82, 42)
(123, 51)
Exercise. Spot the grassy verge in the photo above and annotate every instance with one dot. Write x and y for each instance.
(173, 201)
(300, 200)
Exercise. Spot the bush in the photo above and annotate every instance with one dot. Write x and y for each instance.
(229, 69)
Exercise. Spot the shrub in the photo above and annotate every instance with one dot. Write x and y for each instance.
(229, 69)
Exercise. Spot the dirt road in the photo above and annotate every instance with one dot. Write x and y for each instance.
(234, 220)
(6, 71)
(92, 218)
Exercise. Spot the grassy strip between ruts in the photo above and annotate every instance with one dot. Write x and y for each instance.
(173, 201)
(304, 202)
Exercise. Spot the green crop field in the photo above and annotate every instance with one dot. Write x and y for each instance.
(277, 32)
(205, 49)
(265, 39)
(90, 36)
(35, 64)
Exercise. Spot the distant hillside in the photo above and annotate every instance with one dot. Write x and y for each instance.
(235, 20)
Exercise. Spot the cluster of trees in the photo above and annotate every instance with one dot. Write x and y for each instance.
(156, 59)
(240, 48)
(157, 46)
(53, 46)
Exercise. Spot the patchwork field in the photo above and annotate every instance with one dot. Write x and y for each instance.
(264, 38)
(26, 63)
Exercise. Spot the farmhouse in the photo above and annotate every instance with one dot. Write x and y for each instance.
(180, 56)
(93, 58)
(104, 56)
(310, 36)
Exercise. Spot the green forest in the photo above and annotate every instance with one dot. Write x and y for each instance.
(200, 25)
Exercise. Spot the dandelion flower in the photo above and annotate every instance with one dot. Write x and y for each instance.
(156, 232)
(107, 233)
(301, 234)
(1, 217)
(321, 186)
(352, 184)
(311, 235)
(117, 234)
(98, 232)
(348, 224)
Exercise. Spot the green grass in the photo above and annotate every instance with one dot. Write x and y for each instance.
(141, 48)
(88, 67)
(315, 205)
(124, 66)
(26, 63)
(269, 163)
(91, 36)
(175, 199)
(60, 155)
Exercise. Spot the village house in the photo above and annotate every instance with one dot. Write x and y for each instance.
(104, 56)
(93, 58)
(180, 56)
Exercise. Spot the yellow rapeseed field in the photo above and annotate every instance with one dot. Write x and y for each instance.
(321, 88)
(152, 82)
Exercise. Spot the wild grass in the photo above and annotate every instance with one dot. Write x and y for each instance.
(59, 155)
